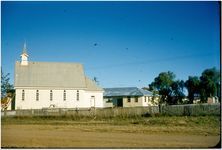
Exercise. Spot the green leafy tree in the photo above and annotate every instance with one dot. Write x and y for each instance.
(193, 87)
(209, 83)
(5, 85)
(177, 92)
(171, 90)
(163, 84)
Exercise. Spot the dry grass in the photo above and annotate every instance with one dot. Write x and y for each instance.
(132, 132)
(203, 125)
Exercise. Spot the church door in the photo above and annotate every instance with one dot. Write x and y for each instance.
(92, 101)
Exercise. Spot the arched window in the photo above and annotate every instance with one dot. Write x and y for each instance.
(64, 95)
(23, 95)
(77, 95)
(37, 95)
(51, 95)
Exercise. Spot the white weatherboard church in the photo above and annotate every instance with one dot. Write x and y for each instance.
(51, 84)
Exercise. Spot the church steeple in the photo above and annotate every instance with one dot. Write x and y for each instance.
(24, 49)
(24, 55)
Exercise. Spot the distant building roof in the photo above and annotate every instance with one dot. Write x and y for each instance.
(52, 74)
(126, 91)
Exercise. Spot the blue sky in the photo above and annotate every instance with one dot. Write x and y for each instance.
(135, 41)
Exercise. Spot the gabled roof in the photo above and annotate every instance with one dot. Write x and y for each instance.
(126, 91)
(52, 74)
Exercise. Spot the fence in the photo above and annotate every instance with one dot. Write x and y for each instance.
(191, 109)
(173, 110)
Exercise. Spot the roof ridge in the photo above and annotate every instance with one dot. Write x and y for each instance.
(54, 62)
(140, 91)
(121, 87)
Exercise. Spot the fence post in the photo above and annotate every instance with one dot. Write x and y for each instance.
(160, 108)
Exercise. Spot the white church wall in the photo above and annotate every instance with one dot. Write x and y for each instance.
(95, 97)
(30, 101)
(71, 101)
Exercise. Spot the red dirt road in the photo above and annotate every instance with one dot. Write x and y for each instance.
(63, 136)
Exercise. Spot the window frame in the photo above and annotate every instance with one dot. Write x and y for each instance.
(51, 95)
(37, 95)
(23, 95)
(136, 100)
(64, 95)
(77, 95)
(128, 99)
(109, 100)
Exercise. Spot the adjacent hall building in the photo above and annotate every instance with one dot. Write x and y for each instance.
(128, 97)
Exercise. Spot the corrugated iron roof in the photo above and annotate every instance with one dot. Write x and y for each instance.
(52, 74)
(126, 91)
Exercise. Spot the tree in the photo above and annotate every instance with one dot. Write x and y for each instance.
(209, 81)
(5, 85)
(193, 87)
(177, 92)
(163, 84)
(171, 90)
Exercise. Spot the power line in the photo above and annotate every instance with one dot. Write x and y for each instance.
(174, 58)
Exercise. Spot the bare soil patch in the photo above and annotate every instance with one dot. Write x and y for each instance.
(101, 136)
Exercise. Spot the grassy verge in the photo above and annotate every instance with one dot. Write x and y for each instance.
(207, 125)
(210, 121)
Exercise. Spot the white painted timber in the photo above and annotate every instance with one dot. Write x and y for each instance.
(71, 101)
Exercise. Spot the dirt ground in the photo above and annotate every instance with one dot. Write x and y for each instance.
(78, 136)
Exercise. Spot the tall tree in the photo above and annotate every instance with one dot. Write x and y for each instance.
(193, 87)
(5, 85)
(177, 92)
(163, 84)
(209, 81)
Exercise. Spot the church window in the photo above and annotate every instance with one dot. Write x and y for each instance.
(37, 95)
(77, 95)
(51, 95)
(23, 95)
(64, 95)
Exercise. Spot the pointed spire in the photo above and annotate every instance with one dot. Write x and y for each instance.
(24, 48)
(24, 55)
